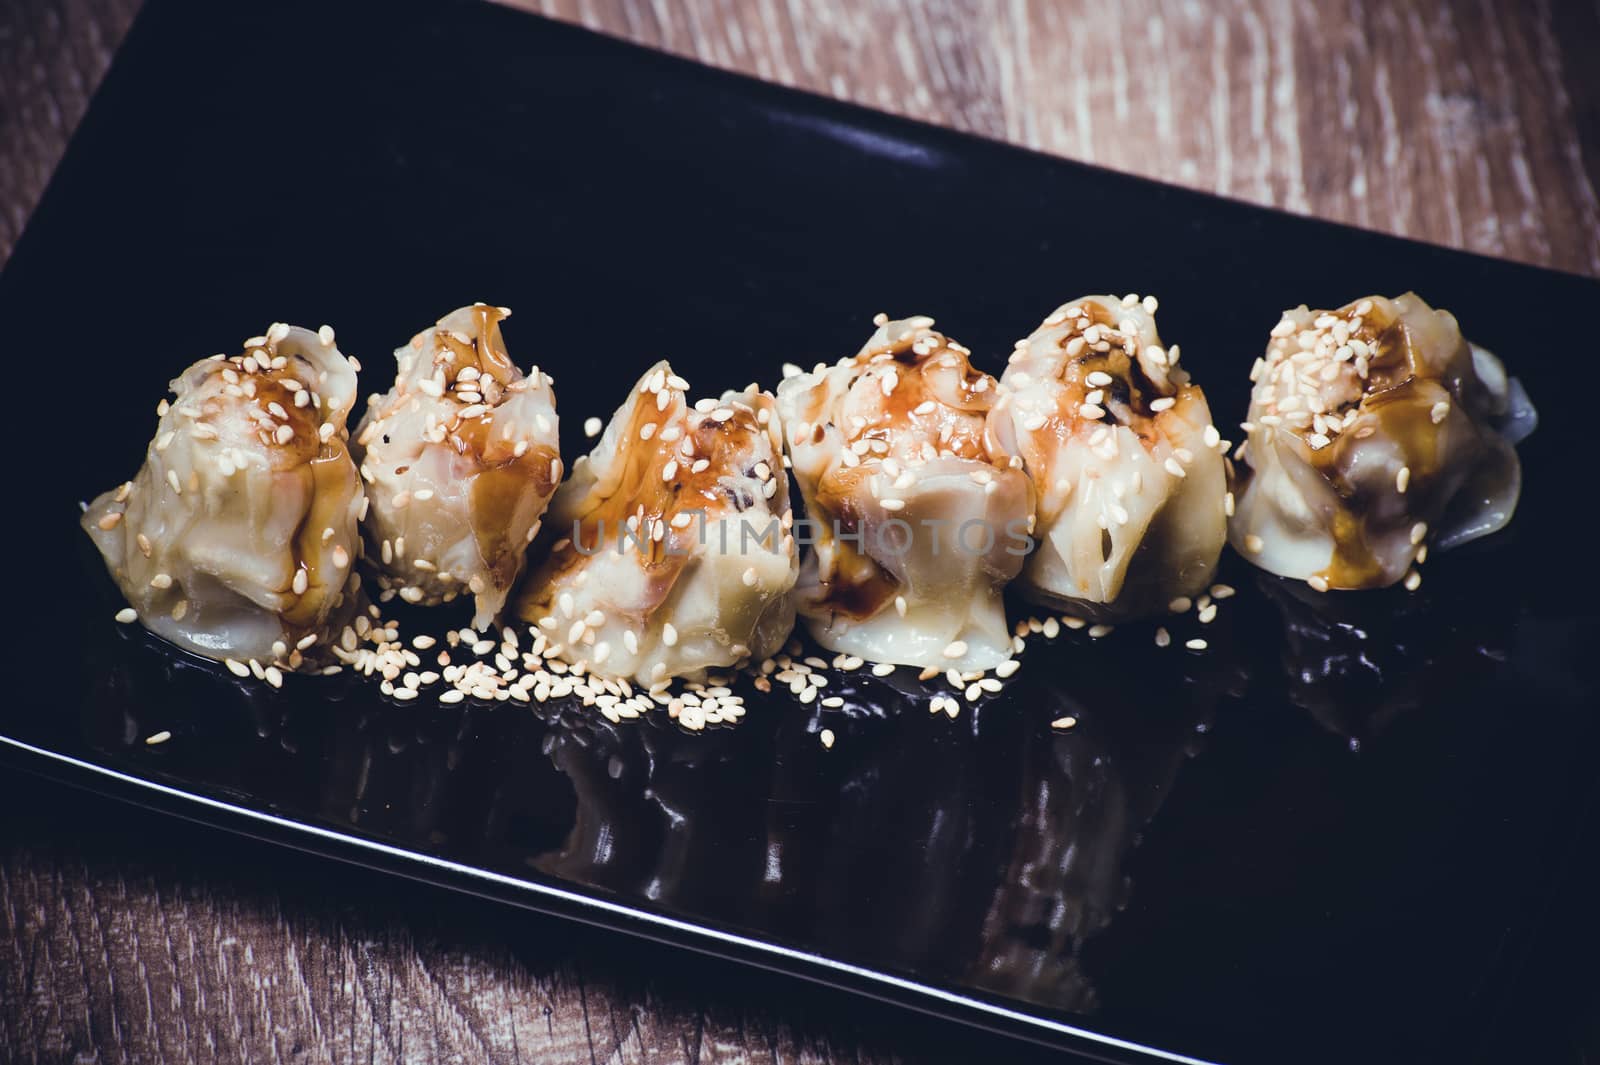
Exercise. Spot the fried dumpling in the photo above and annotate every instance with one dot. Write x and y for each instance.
(462, 456)
(1373, 430)
(236, 538)
(672, 551)
(1125, 461)
(917, 518)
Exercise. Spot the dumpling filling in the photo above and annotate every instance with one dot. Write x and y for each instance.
(673, 553)
(1125, 461)
(462, 455)
(237, 537)
(918, 518)
(1373, 431)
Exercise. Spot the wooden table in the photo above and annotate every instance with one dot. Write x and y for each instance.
(124, 937)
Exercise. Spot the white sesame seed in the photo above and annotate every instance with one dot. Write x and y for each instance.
(1413, 581)
(1402, 480)
(955, 649)
(1196, 644)
(159, 738)
(1318, 581)
(1064, 723)
(127, 615)
(1163, 637)
(826, 736)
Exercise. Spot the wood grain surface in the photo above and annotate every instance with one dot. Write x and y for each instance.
(126, 938)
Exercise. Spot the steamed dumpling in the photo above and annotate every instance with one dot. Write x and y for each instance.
(1124, 458)
(236, 538)
(917, 518)
(1373, 430)
(674, 555)
(462, 455)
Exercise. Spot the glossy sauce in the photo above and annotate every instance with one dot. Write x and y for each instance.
(860, 588)
(324, 467)
(641, 492)
(1396, 404)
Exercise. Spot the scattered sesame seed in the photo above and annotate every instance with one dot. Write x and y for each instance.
(1064, 723)
(1163, 637)
(127, 615)
(1196, 644)
(955, 649)
(158, 738)
(826, 736)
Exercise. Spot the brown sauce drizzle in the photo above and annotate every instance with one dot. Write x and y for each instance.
(860, 588)
(1130, 387)
(1397, 404)
(324, 466)
(642, 492)
(499, 487)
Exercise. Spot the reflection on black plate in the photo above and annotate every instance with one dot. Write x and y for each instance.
(1201, 866)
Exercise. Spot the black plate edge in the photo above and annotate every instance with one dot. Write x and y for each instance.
(846, 110)
(574, 905)
(863, 115)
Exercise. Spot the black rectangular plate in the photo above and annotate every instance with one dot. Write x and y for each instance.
(1334, 836)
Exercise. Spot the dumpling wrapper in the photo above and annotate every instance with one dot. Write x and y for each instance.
(1373, 430)
(1125, 461)
(674, 555)
(462, 456)
(917, 517)
(237, 537)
